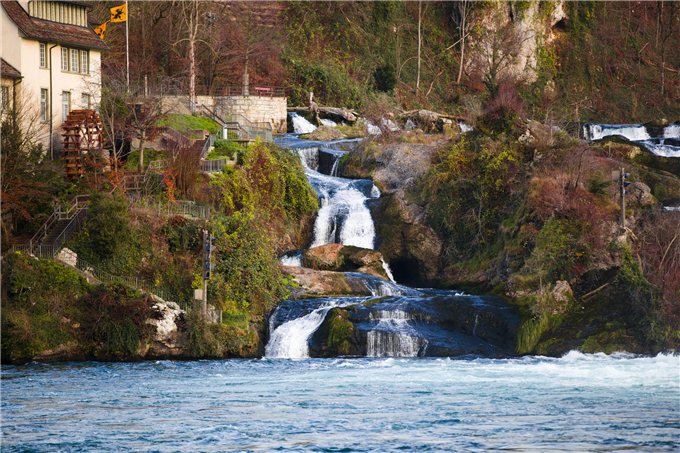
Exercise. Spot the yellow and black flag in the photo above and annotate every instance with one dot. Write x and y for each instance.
(101, 30)
(119, 13)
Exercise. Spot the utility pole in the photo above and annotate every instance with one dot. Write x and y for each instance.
(207, 268)
(623, 183)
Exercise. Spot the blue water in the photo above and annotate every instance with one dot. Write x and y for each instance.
(579, 402)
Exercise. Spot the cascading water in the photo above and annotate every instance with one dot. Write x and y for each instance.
(393, 336)
(293, 259)
(300, 124)
(343, 216)
(660, 141)
(290, 339)
(389, 329)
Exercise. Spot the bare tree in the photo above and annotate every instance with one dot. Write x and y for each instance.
(498, 49)
(191, 25)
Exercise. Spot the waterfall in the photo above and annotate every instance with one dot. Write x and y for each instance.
(387, 269)
(660, 141)
(300, 124)
(309, 157)
(392, 336)
(632, 132)
(464, 127)
(334, 168)
(672, 131)
(328, 123)
(290, 339)
(396, 321)
(292, 259)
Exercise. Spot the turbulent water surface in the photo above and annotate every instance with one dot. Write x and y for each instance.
(579, 402)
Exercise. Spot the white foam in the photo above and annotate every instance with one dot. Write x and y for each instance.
(291, 259)
(388, 271)
(300, 124)
(464, 127)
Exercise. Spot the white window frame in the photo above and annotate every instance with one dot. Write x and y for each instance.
(44, 103)
(43, 55)
(65, 104)
(74, 64)
(84, 61)
(64, 59)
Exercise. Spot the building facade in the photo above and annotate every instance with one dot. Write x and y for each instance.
(53, 61)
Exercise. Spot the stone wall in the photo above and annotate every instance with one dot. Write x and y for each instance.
(257, 109)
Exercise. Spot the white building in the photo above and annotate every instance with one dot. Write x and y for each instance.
(51, 62)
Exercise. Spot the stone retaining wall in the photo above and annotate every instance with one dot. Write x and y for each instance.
(257, 109)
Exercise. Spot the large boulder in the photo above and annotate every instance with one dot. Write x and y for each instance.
(316, 283)
(345, 258)
(167, 320)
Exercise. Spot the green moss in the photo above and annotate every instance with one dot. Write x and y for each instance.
(608, 342)
(531, 331)
(186, 124)
(340, 331)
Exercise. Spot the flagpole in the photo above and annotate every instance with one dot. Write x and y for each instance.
(127, 44)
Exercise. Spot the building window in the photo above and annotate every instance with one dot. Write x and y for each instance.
(65, 104)
(43, 104)
(74, 61)
(43, 55)
(86, 101)
(64, 59)
(84, 62)
(4, 101)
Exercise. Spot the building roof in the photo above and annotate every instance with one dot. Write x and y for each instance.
(7, 71)
(49, 31)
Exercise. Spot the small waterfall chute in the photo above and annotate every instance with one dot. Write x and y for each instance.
(393, 336)
(290, 339)
(388, 271)
(300, 124)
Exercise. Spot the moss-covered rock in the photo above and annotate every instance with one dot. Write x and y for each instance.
(340, 331)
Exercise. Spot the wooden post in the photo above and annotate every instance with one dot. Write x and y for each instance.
(622, 192)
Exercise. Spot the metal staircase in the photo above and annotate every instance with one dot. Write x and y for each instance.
(57, 229)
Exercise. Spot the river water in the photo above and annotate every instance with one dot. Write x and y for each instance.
(578, 402)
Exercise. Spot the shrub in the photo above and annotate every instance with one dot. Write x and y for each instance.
(114, 320)
(107, 239)
(37, 305)
(385, 78)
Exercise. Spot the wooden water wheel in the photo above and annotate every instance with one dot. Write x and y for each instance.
(83, 135)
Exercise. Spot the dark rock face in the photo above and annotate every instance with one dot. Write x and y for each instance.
(434, 324)
(410, 246)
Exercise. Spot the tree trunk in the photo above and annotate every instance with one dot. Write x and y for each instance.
(420, 40)
(142, 139)
(462, 42)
